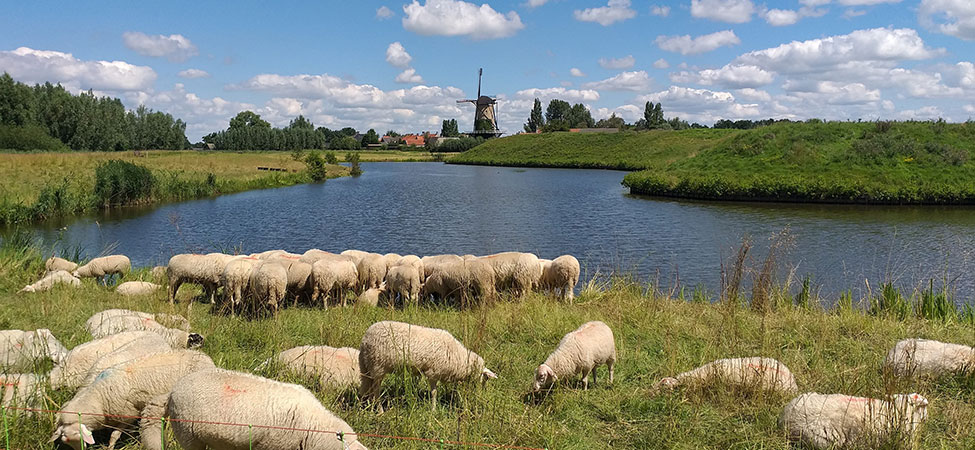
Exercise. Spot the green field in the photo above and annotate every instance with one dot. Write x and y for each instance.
(657, 335)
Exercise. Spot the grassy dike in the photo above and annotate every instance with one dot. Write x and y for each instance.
(828, 350)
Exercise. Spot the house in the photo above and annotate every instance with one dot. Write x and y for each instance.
(417, 140)
(390, 140)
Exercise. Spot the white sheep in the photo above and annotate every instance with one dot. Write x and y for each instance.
(299, 276)
(435, 353)
(579, 352)
(204, 270)
(404, 281)
(515, 271)
(50, 279)
(924, 357)
(110, 322)
(372, 271)
(158, 273)
(267, 286)
(370, 297)
(560, 276)
(136, 288)
(167, 320)
(431, 263)
(54, 264)
(392, 259)
(333, 276)
(334, 367)
(356, 255)
(414, 261)
(460, 279)
(766, 374)
(103, 267)
(284, 416)
(236, 278)
(835, 420)
(22, 390)
(313, 255)
(87, 360)
(23, 351)
(123, 392)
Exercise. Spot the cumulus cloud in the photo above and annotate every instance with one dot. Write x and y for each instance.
(755, 95)
(952, 17)
(780, 17)
(625, 62)
(701, 105)
(409, 76)
(834, 93)
(569, 95)
(397, 56)
(686, 45)
(737, 76)
(459, 18)
(37, 66)
(614, 11)
(637, 81)
(536, 3)
(661, 64)
(662, 11)
(174, 47)
(923, 113)
(193, 73)
(730, 11)
(576, 72)
(384, 13)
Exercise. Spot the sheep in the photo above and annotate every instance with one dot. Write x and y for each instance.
(560, 276)
(167, 320)
(579, 352)
(267, 286)
(431, 263)
(51, 279)
(136, 288)
(284, 416)
(370, 297)
(433, 352)
(54, 264)
(22, 390)
(158, 273)
(102, 324)
(23, 351)
(334, 367)
(923, 357)
(356, 255)
(314, 255)
(204, 270)
(123, 392)
(103, 267)
(516, 271)
(460, 278)
(392, 259)
(836, 420)
(404, 280)
(411, 260)
(761, 373)
(372, 271)
(235, 279)
(86, 358)
(331, 275)
(299, 276)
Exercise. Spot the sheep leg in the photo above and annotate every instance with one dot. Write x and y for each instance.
(585, 381)
(114, 439)
(433, 395)
(173, 289)
(593, 374)
(610, 364)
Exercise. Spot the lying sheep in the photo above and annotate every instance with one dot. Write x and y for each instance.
(923, 357)
(167, 320)
(835, 420)
(765, 374)
(334, 367)
(204, 270)
(103, 267)
(404, 281)
(284, 416)
(23, 351)
(372, 271)
(370, 297)
(515, 271)
(435, 353)
(560, 276)
(136, 288)
(87, 360)
(236, 278)
(22, 390)
(101, 325)
(50, 280)
(54, 264)
(123, 392)
(267, 286)
(580, 352)
(333, 276)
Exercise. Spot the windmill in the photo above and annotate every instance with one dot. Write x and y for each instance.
(485, 116)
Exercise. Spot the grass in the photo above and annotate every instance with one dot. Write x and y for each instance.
(392, 156)
(657, 335)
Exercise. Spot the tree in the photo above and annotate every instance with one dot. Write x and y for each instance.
(613, 121)
(245, 119)
(370, 137)
(301, 123)
(449, 128)
(535, 121)
(579, 117)
(557, 110)
(316, 166)
(647, 115)
(392, 133)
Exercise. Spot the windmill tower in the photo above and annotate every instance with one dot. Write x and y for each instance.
(485, 115)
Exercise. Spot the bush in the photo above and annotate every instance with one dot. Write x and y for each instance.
(120, 183)
(458, 145)
(331, 158)
(353, 159)
(30, 137)
(316, 166)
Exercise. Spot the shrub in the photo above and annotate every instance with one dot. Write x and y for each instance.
(29, 137)
(120, 182)
(458, 145)
(331, 158)
(353, 159)
(316, 166)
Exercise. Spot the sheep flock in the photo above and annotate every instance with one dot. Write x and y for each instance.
(153, 366)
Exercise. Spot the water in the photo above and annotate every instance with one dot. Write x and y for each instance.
(430, 208)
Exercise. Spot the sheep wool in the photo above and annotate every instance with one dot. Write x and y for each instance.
(334, 367)
(299, 275)
(333, 276)
(87, 360)
(760, 373)
(433, 352)
(356, 255)
(924, 357)
(158, 273)
(515, 271)
(22, 390)
(579, 352)
(236, 278)
(268, 285)
(835, 420)
(560, 276)
(431, 263)
(50, 280)
(116, 321)
(404, 281)
(23, 351)
(204, 270)
(136, 288)
(370, 297)
(392, 259)
(104, 266)
(54, 264)
(372, 271)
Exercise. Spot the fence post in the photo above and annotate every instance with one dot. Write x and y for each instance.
(250, 437)
(441, 444)
(341, 437)
(81, 432)
(162, 435)
(6, 433)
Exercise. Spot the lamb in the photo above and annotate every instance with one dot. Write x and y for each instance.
(404, 280)
(433, 352)
(283, 415)
(123, 392)
(579, 352)
(22, 390)
(204, 270)
(104, 266)
(835, 420)
(110, 322)
(431, 263)
(50, 280)
(370, 297)
(332, 276)
(54, 264)
(89, 359)
(516, 271)
(333, 367)
(560, 276)
(267, 286)
(765, 374)
(236, 278)
(923, 357)
(372, 271)
(136, 288)
(23, 351)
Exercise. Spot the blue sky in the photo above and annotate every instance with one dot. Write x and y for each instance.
(402, 65)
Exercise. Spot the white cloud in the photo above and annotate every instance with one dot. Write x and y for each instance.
(459, 18)
(731, 11)
(637, 81)
(781, 17)
(834, 93)
(536, 3)
(576, 72)
(37, 66)
(865, 2)
(737, 76)
(661, 64)
(923, 113)
(614, 11)
(662, 11)
(952, 17)
(193, 73)
(969, 108)
(569, 95)
(755, 95)
(851, 13)
(409, 76)
(617, 63)
(686, 45)
(384, 13)
(700, 105)
(397, 56)
(174, 47)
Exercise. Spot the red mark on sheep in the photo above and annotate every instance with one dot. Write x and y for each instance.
(227, 389)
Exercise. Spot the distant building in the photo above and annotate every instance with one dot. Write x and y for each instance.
(594, 130)
(390, 140)
(417, 140)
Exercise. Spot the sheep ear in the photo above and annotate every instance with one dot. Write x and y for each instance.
(488, 374)
(551, 373)
(86, 435)
(57, 434)
(918, 400)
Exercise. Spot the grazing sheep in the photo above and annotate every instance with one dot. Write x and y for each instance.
(372, 271)
(267, 286)
(835, 420)
(412, 260)
(22, 390)
(123, 392)
(579, 352)
(87, 360)
(431, 263)
(314, 255)
(104, 266)
(560, 276)
(110, 322)
(299, 276)
(283, 415)
(370, 297)
(404, 280)
(387, 346)
(270, 254)
(391, 259)
(356, 255)
(333, 276)
(51, 279)
(236, 278)
(460, 279)
(54, 264)
(136, 288)
(334, 367)
(23, 351)
(204, 270)
(924, 357)
(158, 273)
(515, 271)
(760, 373)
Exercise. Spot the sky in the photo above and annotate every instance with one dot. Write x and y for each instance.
(402, 65)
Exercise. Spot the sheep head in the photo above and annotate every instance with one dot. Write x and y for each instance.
(544, 377)
(487, 374)
(194, 340)
(666, 383)
(73, 435)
